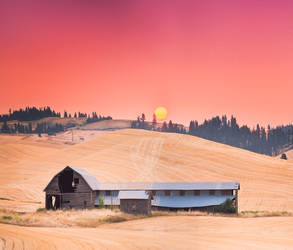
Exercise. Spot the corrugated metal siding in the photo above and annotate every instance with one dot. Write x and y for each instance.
(188, 201)
(175, 202)
(108, 201)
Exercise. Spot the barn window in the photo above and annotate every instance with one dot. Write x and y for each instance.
(182, 192)
(212, 192)
(167, 193)
(196, 192)
(76, 181)
(108, 193)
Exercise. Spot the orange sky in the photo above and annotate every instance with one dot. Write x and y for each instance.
(196, 58)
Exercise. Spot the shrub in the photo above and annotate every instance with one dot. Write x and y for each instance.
(101, 201)
(228, 207)
(6, 217)
(114, 219)
(284, 157)
(41, 209)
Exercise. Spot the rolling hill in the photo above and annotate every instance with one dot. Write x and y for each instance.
(27, 164)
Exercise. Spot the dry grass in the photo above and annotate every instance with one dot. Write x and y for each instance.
(66, 218)
(96, 217)
(251, 214)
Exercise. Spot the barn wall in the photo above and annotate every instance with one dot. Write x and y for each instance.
(53, 186)
(135, 206)
(77, 200)
(82, 186)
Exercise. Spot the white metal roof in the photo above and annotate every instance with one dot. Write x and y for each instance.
(90, 179)
(170, 186)
(132, 186)
(137, 195)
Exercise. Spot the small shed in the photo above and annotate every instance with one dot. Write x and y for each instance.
(135, 202)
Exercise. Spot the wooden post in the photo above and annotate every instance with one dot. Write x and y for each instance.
(236, 199)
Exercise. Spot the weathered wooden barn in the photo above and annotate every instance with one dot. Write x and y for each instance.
(71, 188)
(76, 188)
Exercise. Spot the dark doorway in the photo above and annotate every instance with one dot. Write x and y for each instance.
(65, 180)
(53, 202)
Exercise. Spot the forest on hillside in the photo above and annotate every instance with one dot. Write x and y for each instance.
(29, 114)
(269, 141)
(263, 140)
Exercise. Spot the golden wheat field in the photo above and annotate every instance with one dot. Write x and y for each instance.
(27, 163)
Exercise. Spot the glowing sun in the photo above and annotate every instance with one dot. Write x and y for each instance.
(161, 113)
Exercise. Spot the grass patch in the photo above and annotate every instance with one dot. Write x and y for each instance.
(114, 219)
(41, 210)
(256, 213)
(5, 217)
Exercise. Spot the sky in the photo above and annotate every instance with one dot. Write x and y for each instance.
(121, 58)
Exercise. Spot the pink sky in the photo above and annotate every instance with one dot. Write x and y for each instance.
(121, 58)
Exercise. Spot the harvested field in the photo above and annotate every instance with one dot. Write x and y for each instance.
(27, 163)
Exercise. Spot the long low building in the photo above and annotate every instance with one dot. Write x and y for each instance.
(76, 188)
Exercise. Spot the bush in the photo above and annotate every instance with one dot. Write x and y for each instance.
(228, 207)
(6, 217)
(41, 209)
(114, 219)
(284, 157)
(101, 201)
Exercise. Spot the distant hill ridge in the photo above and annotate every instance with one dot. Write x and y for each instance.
(269, 141)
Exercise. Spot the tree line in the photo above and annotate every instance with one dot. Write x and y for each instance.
(29, 114)
(269, 141)
(42, 127)
(170, 127)
(32, 113)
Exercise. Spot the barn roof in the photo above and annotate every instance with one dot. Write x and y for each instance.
(94, 184)
(170, 186)
(89, 179)
(136, 195)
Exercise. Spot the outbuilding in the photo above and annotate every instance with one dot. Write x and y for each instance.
(135, 202)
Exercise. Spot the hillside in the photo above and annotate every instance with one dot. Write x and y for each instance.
(28, 163)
